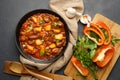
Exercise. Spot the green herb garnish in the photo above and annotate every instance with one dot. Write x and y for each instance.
(41, 21)
(84, 50)
(30, 27)
(114, 40)
(94, 35)
(105, 33)
(46, 50)
(54, 24)
(42, 53)
(57, 41)
(42, 39)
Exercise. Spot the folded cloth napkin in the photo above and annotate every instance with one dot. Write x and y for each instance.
(60, 7)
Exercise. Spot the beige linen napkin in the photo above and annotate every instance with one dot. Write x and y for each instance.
(60, 6)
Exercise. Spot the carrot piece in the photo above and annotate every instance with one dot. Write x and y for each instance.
(83, 70)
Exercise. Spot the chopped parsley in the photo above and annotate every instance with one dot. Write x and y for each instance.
(114, 40)
(42, 53)
(41, 21)
(84, 50)
(54, 24)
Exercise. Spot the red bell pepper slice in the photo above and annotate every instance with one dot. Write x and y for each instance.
(104, 26)
(97, 29)
(105, 53)
(83, 70)
(94, 28)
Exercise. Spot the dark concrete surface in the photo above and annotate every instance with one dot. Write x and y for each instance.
(12, 10)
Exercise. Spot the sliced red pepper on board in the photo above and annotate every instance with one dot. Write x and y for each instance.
(97, 29)
(83, 70)
(104, 26)
(94, 28)
(103, 55)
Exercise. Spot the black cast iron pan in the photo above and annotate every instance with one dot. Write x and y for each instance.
(23, 19)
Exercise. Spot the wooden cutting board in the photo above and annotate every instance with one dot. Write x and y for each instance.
(104, 72)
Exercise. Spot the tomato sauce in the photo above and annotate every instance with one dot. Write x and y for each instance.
(42, 36)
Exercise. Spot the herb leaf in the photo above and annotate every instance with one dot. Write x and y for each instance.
(42, 53)
(41, 21)
(42, 39)
(84, 51)
(114, 40)
(54, 24)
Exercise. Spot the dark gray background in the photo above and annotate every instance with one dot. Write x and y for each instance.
(12, 10)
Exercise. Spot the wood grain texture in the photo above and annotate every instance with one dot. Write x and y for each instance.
(104, 72)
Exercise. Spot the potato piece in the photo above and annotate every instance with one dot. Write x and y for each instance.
(59, 36)
(34, 19)
(38, 29)
(38, 42)
(31, 48)
(48, 28)
(27, 31)
(52, 45)
(56, 30)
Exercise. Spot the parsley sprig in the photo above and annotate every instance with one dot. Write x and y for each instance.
(84, 50)
(114, 40)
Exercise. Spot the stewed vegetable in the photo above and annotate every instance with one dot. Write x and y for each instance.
(42, 36)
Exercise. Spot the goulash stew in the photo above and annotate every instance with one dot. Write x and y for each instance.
(42, 36)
